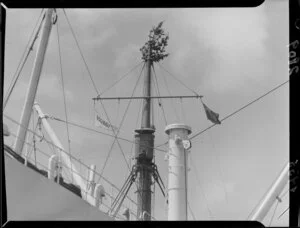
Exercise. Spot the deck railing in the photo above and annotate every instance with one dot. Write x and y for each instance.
(40, 158)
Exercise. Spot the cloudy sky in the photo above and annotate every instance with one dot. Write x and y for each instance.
(230, 56)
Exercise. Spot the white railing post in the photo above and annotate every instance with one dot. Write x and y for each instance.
(53, 168)
(91, 180)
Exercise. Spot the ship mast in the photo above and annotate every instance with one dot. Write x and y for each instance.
(34, 81)
(144, 156)
(144, 168)
(153, 51)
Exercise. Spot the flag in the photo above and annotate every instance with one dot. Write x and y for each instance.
(99, 122)
(212, 116)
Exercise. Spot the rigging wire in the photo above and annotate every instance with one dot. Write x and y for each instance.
(283, 194)
(93, 130)
(240, 109)
(182, 111)
(29, 153)
(199, 184)
(153, 198)
(220, 171)
(136, 126)
(179, 80)
(159, 100)
(116, 134)
(191, 211)
(235, 112)
(186, 176)
(64, 94)
(120, 79)
(132, 145)
(152, 104)
(82, 56)
(94, 85)
(283, 213)
(110, 126)
(168, 90)
(85, 178)
(51, 147)
(33, 139)
(281, 197)
(277, 202)
(74, 158)
(23, 59)
(122, 121)
(117, 118)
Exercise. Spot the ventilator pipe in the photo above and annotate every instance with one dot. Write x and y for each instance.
(142, 217)
(26, 154)
(91, 180)
(53, 167)
(99, 193)
(177, 186)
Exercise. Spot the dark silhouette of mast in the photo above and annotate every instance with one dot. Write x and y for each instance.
(144, 168)
(153, 51)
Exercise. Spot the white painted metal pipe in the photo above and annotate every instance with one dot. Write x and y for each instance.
(261, 210)
(177, 186)
(33, 84)
(26, 154)
(99, 193)
(91, 183)
(53, 167)
(71, 169)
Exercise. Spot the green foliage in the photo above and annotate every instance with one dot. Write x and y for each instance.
(158, 40)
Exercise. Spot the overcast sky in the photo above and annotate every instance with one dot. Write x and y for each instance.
(230, 56)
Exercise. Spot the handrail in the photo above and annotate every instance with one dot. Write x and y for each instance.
(63, 165)
(74, 158)
(46, 169)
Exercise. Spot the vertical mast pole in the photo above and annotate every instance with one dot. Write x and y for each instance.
(34, 80)
(153, 51)
(144, 155)
(147, 101)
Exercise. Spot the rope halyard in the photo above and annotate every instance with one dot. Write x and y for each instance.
(158, 93)
(122, 121)
(97, 92)
(63, 88)
(24, 58)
